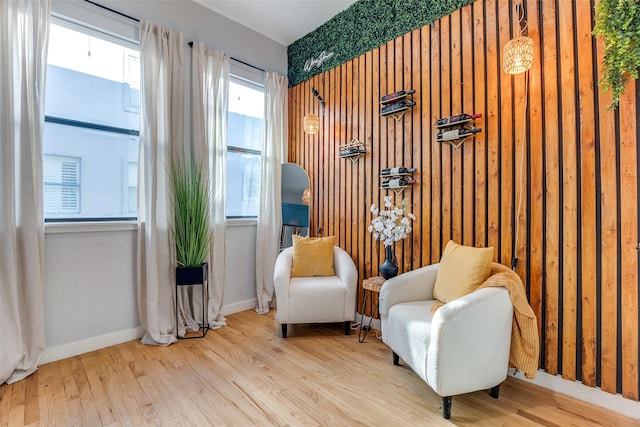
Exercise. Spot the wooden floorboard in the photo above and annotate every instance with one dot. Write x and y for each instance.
(246, 375)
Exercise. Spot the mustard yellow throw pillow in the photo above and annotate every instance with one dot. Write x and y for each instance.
(312, 256)
(462, 269)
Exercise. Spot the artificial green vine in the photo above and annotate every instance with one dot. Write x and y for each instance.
(618, 23)
(365, 25)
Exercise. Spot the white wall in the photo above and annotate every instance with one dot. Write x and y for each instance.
(198, 23)
(90, 269)
(90, 283)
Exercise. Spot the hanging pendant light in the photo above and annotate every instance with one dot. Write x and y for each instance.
(311, 123)
(518, 55)
(518, 52)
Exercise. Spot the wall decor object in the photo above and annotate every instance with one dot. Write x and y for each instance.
(397, 178)
(317, 62)
(365, 25)
(455, 129)
(352, 150)
(395, 104)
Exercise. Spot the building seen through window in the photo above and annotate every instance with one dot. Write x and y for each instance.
(245, 134)
(92, 119)
(92, 116)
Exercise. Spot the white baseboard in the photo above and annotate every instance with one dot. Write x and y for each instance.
(239, 306)
(593, 395)
(96, 343)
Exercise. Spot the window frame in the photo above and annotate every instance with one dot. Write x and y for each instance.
(246, 76)
(113, 30)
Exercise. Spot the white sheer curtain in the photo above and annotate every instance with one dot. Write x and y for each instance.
(24, 30)
(161, 136)
(210, 92)
(274, 153)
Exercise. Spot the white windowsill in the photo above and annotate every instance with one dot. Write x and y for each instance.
(83, 227)
(240, 222)
(106, 226)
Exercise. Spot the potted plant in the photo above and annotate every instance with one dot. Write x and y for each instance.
(190, 225)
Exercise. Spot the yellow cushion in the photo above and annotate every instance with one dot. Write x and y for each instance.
(312, 256)
(462, 269)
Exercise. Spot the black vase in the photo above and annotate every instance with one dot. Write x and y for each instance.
(388, 269)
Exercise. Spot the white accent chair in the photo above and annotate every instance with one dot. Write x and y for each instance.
(316, 299)
(463, 347)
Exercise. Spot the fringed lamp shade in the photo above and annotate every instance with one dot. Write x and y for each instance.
(311, 123)
(518, 55)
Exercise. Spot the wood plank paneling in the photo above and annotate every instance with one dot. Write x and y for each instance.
(552, 176)
(629, 241)
(569, 198)
(553, 210)
(534, 237)
(588, 255)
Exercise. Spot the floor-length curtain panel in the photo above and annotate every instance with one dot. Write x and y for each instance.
(274, 153)
(161, 137)
(210, 86)
(24, 30)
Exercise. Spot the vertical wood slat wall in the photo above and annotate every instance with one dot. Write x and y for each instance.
(567, 164)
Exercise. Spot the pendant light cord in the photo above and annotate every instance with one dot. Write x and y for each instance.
(514, 261)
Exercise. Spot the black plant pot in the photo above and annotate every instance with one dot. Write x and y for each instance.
(389, 268)
(191, 275)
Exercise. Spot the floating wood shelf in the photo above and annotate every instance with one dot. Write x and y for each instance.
(358, 149)
(404, 104)
(462, 124)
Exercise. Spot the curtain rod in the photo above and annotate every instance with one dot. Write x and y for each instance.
(137, 20)
(238, 60)
(112, 10)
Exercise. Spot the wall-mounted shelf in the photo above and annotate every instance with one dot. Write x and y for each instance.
(397, 175)
(352, 150)
(457, 131)
(396, 104)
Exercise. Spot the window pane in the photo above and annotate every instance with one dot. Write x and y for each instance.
(246, 112)
(106, 174)
(245, 133)
(243, 184)
(92, 116)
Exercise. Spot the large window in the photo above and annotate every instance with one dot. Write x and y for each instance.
(91, 125)
(244, 145)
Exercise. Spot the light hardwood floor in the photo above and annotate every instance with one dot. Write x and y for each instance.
(246, 375)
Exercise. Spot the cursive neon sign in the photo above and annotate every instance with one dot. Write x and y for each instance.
(317, 62)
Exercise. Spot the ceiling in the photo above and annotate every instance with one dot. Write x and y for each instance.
(284, 21)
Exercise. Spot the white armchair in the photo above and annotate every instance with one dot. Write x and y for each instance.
(316, 299)
(463, 347)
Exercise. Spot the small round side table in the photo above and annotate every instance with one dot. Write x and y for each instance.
(372, 284)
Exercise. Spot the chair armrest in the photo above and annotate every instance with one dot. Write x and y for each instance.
(346, 271)
(473, 332)
(415, 285)
(281, 278)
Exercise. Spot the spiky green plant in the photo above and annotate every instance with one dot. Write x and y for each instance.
(190, 227)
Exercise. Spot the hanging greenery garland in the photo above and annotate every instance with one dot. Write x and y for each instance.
(618, 23)
(364, 26)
